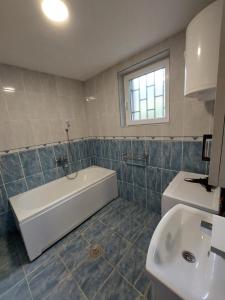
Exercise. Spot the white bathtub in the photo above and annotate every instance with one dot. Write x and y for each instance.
(46, 213)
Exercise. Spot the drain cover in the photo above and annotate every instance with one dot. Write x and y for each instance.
(188, 256)
(95, 251)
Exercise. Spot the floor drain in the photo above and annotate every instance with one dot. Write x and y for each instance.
(188, 256)
(95, 251)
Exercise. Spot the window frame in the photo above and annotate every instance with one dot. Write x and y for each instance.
(164, 63)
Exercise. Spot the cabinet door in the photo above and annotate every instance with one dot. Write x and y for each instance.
(217, 159)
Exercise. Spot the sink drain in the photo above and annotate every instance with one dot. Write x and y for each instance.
(95, 251)
(188, 256)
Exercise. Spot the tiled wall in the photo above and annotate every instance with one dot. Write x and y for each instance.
(36, 112)
(27, 169)
(144, 181)
(188, 116)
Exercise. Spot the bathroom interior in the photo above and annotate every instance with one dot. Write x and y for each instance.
(112, 153)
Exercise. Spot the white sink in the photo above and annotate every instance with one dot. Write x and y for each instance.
(178, 231)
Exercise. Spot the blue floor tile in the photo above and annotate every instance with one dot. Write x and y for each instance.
(117, 288)
(129, 229)
(74, 252)
(91, 275)
(95, 232)
(133, 264)
(10, 274)
(67, 289)
(18, 292)
(114, 247)
(43, 280)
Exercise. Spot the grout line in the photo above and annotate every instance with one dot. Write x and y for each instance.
(40, 165)
(23, 171)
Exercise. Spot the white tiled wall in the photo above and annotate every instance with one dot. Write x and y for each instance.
(36, 112)
(188, 117)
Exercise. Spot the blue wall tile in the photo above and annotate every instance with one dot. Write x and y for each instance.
(151, 177)
(3, 200)
(127, 191)
(192, 157)
(50, 175)
(127, 173)
(35, 180)
(166, 154)
(84, 151)
(155, 153)
(140, 196)
(60, 151)
(125, 148)
(176, 155)
(73, 152)
(106, 151)
(114, 150)
(86, 162)
(116, 167)
(139, 176)
(154, 201)
(16, 187)
(138, 150)
(11, 167)
(167, 177)
(30, 162)
(47, 158)
(158, 186)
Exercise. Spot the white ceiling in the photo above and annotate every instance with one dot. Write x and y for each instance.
(98, 34)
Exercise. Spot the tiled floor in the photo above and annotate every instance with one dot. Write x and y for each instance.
(68, 271)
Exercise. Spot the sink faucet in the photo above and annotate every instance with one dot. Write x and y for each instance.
(208, 226)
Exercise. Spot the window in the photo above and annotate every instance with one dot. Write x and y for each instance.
(147, 94)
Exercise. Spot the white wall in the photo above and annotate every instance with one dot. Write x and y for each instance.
(188, 117)
(36, 112)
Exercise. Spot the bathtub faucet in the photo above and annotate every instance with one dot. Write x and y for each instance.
(62, 162)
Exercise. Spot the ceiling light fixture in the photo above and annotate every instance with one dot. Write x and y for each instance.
(8, 89)
(55, 10)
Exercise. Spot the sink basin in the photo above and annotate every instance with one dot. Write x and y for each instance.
(192, 275)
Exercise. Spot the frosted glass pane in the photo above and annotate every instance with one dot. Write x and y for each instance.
(136, 116)
(143, 109)
(159, 82)
(150, 78)
(159, 110)
(135, 83)
(135, 100)
(143, 87)
(150, 97)
(151, 114)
